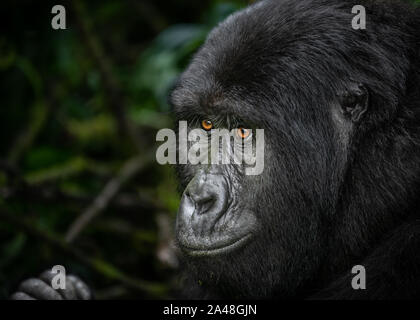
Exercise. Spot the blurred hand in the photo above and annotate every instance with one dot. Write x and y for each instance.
(41, 289)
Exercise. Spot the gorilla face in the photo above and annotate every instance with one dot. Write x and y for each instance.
(213, 218)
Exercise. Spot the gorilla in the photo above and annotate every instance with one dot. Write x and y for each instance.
(340, 109)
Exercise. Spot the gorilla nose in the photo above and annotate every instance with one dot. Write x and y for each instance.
(207, 193)
(203, 203)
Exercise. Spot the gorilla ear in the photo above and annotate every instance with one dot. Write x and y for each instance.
(354, 102)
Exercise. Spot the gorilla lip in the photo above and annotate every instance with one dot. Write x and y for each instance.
(212, 251)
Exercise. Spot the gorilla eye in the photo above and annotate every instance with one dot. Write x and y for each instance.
(243, 133)
(207, 125)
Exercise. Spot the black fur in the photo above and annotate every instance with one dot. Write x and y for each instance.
(334, 193)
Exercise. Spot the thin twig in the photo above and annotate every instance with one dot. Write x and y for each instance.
(39, 111)
(46, 194)
(128, 170)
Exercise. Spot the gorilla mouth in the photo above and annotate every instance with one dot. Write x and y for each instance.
(217, 250)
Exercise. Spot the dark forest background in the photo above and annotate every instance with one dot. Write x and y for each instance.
(79, 112)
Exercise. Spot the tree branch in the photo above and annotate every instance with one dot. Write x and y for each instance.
(128, 170)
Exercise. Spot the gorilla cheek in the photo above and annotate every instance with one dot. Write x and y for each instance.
(208, 222)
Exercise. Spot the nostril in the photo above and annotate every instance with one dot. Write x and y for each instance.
(202, 202)
(200, 197)
(204, 205)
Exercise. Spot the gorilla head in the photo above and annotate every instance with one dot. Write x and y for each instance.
(337, 106)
